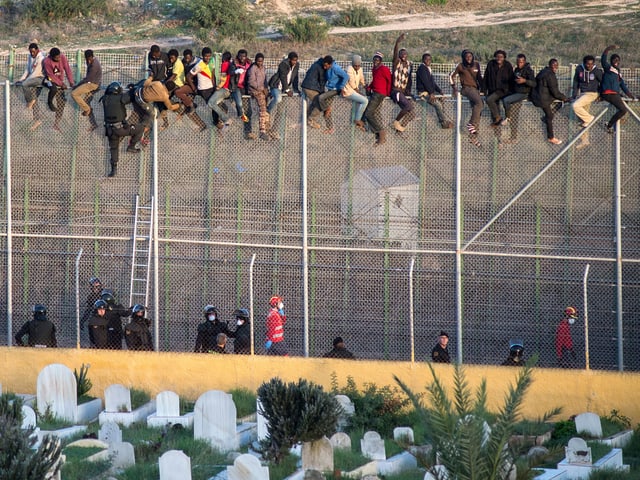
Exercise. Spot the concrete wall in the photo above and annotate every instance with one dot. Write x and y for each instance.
(192, 374)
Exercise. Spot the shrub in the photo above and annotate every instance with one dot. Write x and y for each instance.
(227, 18)
(245, 401)
(435, 2)
(357, 16)
(83, 384)
(46, 10)
(295, 412)
(306, 29)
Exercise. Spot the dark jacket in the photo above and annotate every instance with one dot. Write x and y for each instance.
(98, 331)
(497, 78)
(206, 340)
(546, 90)
(279, 79)
(315, 79)
(235, 77)
(440, 355)
(339, 352)
(40, 333)
(586, 81)
(242, 342)
(425, 81)
(612, 79)
(137, 334)
(158, 68)
(114, 316)
(525, 72)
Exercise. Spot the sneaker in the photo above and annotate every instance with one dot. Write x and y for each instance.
(505, 122)
(497, 123)
(56, 127)
(473, 139)
(609, 128)
(360, 125)
(265, 136)
(244, 118)
(188, 110)
(398, 126)
(114, 170)
(133, 149)
(330, 131)
(36, 125)
(555, 141)
(250, 136)
(145, 141)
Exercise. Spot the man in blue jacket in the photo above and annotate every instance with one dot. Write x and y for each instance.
(612, 84)
(335, 80)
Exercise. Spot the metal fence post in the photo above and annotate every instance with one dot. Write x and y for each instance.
(7, 169)
(305, 232)
(78, 298)
(459, 229)
(411, 312)
(617, 213)
(586, 316)
(251, 327)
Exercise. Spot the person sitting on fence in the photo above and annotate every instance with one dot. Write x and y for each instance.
(352, 89)
(470, 76)
(612, 84)
(56, 67)
(523, 81)
(427, 88)
(83, 92)
(31, 82)
(545, 94)
(401, 91)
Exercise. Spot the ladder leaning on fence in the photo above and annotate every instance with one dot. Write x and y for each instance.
(141, 253)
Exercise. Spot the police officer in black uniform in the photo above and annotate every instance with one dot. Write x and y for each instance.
(208, 330)
(98, 325)
(440, 353)
(95, 286)
(516, 355)
(40, 332)
(242, 333)
(136, 333)
(114, 103)
(114, 321)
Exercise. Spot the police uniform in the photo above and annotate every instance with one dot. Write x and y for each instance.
(440, 355)
(98, 331)
(137, 334)
(242, 339)
(208, 331)
(40, 332)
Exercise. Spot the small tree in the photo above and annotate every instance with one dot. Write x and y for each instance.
(296, 412)
(309, 29)
(460, 439)
(226, 18)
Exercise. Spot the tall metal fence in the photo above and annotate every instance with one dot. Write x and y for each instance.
(382, 245)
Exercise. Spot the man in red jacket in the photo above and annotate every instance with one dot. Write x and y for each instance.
(275, 328)
(378, 90)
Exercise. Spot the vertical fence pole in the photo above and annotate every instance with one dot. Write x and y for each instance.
(78, 298)
(585, 306)
(251, 264)
(305, 233)
(458, 233)
(154, 233)
(12, 63)
(411, 312)
(7, 170)
(618, 223)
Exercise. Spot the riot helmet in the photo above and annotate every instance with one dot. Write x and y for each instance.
(108, 297)
(98, 304)
(210, 313)
(241, 313)
(39, 312)
(114, 88)
(138, 308)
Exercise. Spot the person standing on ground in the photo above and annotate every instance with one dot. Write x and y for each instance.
(440, 353)
(98, 325)
(242, 333)
(378, 90)
(31, 82)
(39, 332)
(209, 330)
(612, 85)
(339, 350)
(83, 92)
(565, 356)
(56, 67)
(545, 94)
(276, 319)
(136, 333)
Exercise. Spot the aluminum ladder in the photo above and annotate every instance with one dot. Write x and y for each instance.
(141, 253)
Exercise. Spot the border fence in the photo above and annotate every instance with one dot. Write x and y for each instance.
(382, 245)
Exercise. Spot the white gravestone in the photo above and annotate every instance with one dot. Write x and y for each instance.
(263, 425)
(110, 433)
(28, 417)
(247, 467)
(167, 404)
(577, 452)
(117, 398)
(215, 420)
(318, 455)
(340, 440)
(175, 465)
(438, 472)
(56, 390)
(348, 409)
(404, 434)
(122, 455)
(373, 446)
(589, 423)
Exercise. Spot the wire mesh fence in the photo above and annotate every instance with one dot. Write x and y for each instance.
(382, 245)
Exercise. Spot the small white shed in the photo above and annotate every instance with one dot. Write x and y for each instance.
(382, 203)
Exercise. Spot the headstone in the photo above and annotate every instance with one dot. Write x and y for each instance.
(117, 398)
(403, 434)
(348, 409)
(56, 391)
(589, 423)
(373, 446)
(318, 455)
(577, 452)
(28, 417)
(167, 404)
(110, 433)
(247, 467)
(341, 440)
(175, 465)
(437, 472)
(263, 425)
(313, 475)
(215, 420)
(122, 455)
(397, 464)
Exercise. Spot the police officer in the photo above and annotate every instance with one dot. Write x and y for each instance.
(208, 330)
(98, 325)
(440, 353)
(114, 322)
(95, 286)
(114, 103)
(242, 333)
(136, 333)
(516, 355)
(40, 332)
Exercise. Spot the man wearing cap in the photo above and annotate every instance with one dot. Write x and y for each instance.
(351, 90)
(440, 353)
(378, 90)
(276, 319)
(339, 350)
(565, 355)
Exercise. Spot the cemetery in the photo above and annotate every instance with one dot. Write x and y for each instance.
(299, 430)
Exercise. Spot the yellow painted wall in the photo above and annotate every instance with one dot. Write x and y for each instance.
(190, 375)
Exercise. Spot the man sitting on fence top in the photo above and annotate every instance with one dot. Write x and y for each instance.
(31, 82)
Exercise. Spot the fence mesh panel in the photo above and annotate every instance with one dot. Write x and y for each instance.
(530, 222)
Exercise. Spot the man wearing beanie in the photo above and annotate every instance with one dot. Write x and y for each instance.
(351, 90)
(378, 90)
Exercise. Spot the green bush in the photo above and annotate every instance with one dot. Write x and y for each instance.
(245, 401)
(357, 16)
(306, 29)
(226, 18)
(295, 412)
(46, 10)
(83, 384)
(435, 2)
